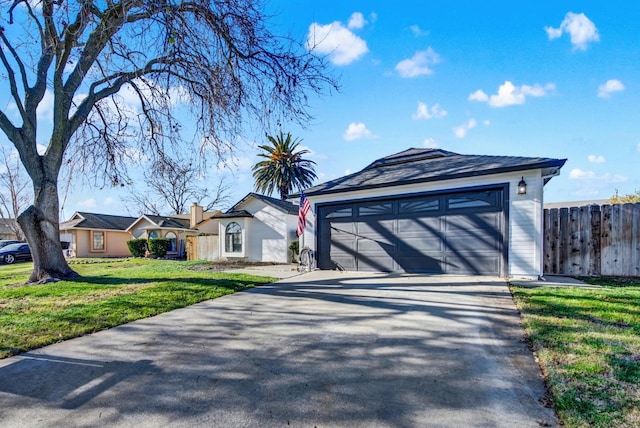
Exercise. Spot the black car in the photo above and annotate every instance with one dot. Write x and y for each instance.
(5, 242)
(14, 252)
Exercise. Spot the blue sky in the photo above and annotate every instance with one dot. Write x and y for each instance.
(549, 79)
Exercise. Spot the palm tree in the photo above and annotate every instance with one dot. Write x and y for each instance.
(283, 168)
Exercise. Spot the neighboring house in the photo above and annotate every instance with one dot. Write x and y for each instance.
(172, 228)
(569, 204)
(96, 235)
(433, 211)
(175, 228)
(103, 235)
(6, 230)
(258, 228)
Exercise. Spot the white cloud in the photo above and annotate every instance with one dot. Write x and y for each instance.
(45, 108)
(509, 94)
(109, 200)
(479, 95)
(588, 183)
(461, 131)
(553, 33)
(417, 31)
(419, 64)
(581, 29)
(638, 147)
(312, 153)
(431, 143)
(88, 204)
(356, 21)
(338, 42)
(357, 131)
(596, 159)
(347, 171)
(235, 164)
(578, 174)
(486, 122)
(424, 113)
(609, 87)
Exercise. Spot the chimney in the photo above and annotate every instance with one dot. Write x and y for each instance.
(196, 212)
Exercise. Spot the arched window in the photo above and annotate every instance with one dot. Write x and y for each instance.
(233, 238)
(173, 244)
(153, 235)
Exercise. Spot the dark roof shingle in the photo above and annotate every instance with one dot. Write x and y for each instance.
(285, 206)
(170, 222)
(100, 221)
(424, 165)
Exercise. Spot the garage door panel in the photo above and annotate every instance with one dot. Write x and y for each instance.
(417, 226)
(446, 233)
(381, 230)
(410, 245)
(487, 222)
(472, 242)
(375, 254)
(375, 263)
(371, 246)
(423, 263)
(341, 263)
(473, 264)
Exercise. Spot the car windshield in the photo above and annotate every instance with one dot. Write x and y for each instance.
(11, 247)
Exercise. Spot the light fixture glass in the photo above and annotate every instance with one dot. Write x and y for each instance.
(522, 187)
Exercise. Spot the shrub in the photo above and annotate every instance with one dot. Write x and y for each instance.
(295, 250)
(137, 247)
(158, 246)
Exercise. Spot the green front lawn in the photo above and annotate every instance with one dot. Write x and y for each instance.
(110, 293)
(588, 345)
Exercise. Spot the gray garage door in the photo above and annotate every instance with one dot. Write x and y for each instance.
(458, 233)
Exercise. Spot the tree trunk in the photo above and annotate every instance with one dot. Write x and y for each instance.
(41, 226)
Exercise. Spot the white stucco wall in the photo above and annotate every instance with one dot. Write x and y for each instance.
(266, 236)
(524, 215)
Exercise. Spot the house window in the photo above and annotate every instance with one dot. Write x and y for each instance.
(153, 235)
(97, 241)
(172, 242)
(233, 238)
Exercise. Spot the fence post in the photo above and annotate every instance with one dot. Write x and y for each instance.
(563, 245)
(595, 242)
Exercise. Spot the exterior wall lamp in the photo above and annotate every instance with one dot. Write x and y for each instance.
(522, 187)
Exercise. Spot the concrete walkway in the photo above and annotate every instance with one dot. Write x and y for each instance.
(323, 349)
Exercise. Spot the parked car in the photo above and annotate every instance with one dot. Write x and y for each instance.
(5, 242)
(15, 252)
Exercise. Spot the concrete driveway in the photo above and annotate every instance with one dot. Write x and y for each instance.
(324, 349)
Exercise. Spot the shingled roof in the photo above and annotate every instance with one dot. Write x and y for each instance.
(424, 165)
(285, 206)
(169, 222)
(83, 220)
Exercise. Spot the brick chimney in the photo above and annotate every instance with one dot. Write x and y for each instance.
(197, 213)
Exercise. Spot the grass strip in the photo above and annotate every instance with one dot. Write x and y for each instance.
(587, 342)
(109, 293)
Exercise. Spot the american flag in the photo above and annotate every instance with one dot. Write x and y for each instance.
(302, 213)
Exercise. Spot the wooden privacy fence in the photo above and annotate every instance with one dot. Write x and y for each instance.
(202, 247)
(592, 240)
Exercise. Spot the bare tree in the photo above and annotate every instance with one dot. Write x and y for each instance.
(14, 190)
(217, 58)
(173, 184)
